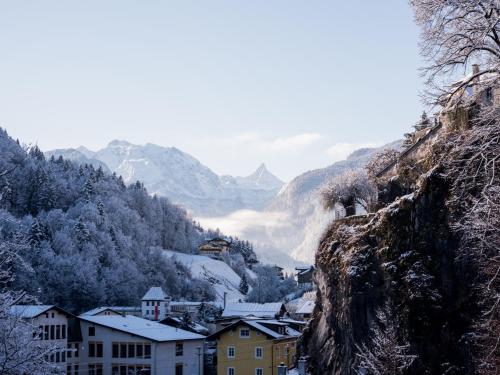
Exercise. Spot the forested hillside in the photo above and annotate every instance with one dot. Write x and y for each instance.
(86, 238)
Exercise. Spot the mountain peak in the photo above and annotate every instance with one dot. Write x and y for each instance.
(118, 143)
(262, 179)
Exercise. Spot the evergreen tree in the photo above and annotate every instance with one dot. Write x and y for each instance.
(244, 284)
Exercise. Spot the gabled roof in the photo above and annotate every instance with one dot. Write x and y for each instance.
(141, 327)
(260, 310)
(174, 321)
(259, 325)
(32, 311)
(155, 293)
(99, 310)
(306, 308)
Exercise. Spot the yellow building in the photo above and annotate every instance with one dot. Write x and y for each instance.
(256, 347)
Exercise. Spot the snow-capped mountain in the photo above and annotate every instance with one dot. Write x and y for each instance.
(170, 172)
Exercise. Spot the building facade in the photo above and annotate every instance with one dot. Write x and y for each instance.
(255, 347)
(122, 345)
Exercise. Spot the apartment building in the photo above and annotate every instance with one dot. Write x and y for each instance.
(121, 345)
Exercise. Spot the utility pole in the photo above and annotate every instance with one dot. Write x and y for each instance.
(199, 359)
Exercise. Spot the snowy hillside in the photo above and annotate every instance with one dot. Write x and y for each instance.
(216, 272)
(169, 172)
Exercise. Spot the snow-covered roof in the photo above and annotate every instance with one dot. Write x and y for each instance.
(243, 309)
(260, 325)
(195, 326)
(306, 308)
(155, 293)
(141, 327)
(32, 311)
(99, 310)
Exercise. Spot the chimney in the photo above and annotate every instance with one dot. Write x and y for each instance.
(225, 297)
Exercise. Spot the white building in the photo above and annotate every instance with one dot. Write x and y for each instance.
(122, 345)
(52, 323)
(155, 304)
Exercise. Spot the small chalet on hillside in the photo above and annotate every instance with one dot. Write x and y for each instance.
(305, 277)
(214, 247)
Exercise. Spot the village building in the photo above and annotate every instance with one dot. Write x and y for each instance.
(255, 347)
(191, 326)
(55, 326)
(102, 311)
(305, 277)
(305, 310)
(215, 247)
(155, 305)
(121, 345)
(235, 311)
(279, 272)
(458, 109)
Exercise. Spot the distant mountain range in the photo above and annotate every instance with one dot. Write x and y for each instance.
(169, 172)
(285, 222)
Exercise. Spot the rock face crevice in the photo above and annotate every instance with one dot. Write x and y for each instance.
(403, 258)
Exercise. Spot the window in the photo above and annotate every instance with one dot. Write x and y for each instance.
(178, 369)
(99, 349)
(46, 332)
(58, 332)
(77, 348)
(91, 331)
(258, 352)
(123, 350)
(75, 369)
(70, 351)
(147, 312)
(286, 351)
(277, 352)
(58, 357)
(147, 303)
(230, 371)
(147, 350)
(179, 349)
(131, 350)
(259, 371)
(52, 332)
(63, 356)
(91, 349)
(63, 331)
(47, 315)
(489, 94)
(138, 351)
(231, 352)
(244, 332)
(52, 315)
(115, 350)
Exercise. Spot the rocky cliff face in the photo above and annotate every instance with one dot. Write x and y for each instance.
(407, 261)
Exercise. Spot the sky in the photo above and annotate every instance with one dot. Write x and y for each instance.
(294, 84)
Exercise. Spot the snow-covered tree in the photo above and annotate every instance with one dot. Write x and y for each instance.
(349, 188)
(385, 355)
(244, 284)
(455, 35)
(379, 161)
(21, 350)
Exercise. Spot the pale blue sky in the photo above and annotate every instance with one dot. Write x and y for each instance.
(294, 84)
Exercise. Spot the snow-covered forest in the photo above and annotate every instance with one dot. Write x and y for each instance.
(85, 237)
